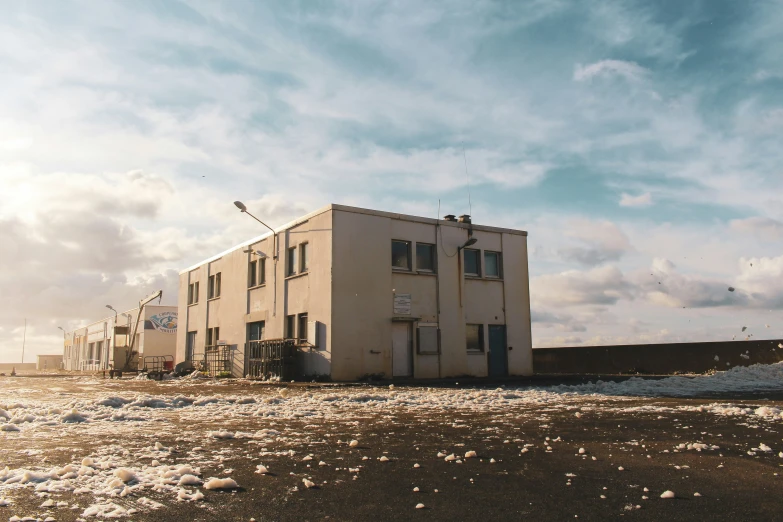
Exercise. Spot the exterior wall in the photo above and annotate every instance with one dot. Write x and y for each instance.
(279, 296)
(159, 338)
(364, 285)
(49, 362)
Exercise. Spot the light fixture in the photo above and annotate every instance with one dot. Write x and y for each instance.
(469, 242)
(241, 206)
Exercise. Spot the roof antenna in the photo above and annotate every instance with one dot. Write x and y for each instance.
(467, 179)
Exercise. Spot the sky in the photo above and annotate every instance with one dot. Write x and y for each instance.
(637, 142)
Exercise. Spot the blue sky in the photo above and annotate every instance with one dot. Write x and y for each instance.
(637, 142)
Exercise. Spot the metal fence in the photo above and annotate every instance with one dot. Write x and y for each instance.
(271, 358)
(217, 361)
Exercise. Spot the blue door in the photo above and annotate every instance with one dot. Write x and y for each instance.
(498, 358)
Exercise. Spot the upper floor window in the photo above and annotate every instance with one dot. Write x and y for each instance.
(493, 264)
(291, 266)
(256, 272)
(401, 255)
(213, 287)
(472, 264)
(193, 293)
(425, 257)
(304, 257)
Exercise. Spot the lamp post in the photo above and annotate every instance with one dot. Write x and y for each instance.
(275, 248)
(113, 337)
(241, 206)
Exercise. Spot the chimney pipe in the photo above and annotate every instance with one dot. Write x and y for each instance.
(465, 218)
(450, 217)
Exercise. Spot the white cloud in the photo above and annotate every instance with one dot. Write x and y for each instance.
(604, 285)
(629, 70)
(604, 241)
(642, 200)
(763, 227)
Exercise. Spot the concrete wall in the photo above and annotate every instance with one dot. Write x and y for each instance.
(656, 358)
(364, 285)
(157, 339)
(49, 362)
(279, 296)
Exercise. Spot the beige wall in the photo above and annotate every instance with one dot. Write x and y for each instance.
(239, 305)
(364, 285)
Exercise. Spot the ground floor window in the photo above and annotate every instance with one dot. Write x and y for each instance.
(303, 327)
(290, 327)
(474, 337)
(190, 346)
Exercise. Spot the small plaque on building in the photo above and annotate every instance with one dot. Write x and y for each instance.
(402, 304)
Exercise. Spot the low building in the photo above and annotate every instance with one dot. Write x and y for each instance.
(366, 293)
(49, 362)
(91, 347)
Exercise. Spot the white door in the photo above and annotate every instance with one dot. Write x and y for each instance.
(401, 350)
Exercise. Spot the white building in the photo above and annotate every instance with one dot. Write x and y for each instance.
(367, 293)
(91, 347)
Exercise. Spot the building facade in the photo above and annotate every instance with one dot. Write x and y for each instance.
(49, 362)
(90, 347)
(367, 293)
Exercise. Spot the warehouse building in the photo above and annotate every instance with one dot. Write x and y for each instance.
(91, 347)
(365, 293)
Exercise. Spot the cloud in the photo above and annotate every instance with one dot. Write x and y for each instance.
(631, 71)
(761, 280)
(563, 322)
(604, 285)
(603, 239)
(642, 200)
(763, 227)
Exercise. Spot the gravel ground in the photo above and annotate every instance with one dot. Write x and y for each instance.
(539, 454)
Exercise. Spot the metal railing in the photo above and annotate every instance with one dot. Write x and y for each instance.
(271, 358)
(217, 361)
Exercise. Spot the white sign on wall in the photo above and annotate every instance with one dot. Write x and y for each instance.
(402, 304)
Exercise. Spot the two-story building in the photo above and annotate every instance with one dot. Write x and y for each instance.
(367, 293)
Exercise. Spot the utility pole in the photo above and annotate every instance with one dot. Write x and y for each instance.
(24, 338)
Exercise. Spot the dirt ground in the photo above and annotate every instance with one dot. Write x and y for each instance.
(586, 457)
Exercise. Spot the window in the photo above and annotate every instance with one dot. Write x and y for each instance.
(190, 346)
(302, 327)
(255, 331)
(290, 327)
(401, 255)
(425, 257)
(213, 336)
(91, 351)
(472, 266)
(193, 293)
(252, 273)
(304, 257)
(213, 288)
(98, 350)
(256, 272)
(427, 339)
(291, 268)
(493, 262)
(474, 337)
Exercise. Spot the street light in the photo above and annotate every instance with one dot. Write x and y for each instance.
(110, 307)
(241, 206)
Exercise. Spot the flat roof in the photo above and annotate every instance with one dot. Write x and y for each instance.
(355, 210)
